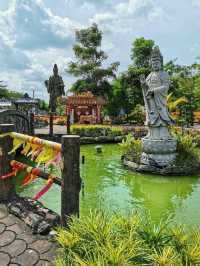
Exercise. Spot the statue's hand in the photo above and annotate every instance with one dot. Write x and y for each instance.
(142, 79)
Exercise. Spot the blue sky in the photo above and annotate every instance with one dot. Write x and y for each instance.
(35, 34)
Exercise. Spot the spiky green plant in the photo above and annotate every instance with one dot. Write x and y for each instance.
(131, 148)
(102, 240)
(174, 104)
(167, 257)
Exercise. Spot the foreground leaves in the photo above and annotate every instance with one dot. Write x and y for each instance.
(102, 240)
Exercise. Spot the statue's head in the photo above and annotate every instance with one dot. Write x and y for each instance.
(55, 70)
(156, 59)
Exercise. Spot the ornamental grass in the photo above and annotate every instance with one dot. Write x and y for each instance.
(102, 240)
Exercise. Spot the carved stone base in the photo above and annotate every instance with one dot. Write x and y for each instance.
(158, 160)
(158, 153)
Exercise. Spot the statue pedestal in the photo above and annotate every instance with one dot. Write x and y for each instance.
(158, 149)
(158, 153)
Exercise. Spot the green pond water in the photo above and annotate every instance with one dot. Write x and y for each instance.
(114, 189)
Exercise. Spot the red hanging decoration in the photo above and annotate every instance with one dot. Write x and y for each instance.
(26, 179)
(43, 190)
(3, 177)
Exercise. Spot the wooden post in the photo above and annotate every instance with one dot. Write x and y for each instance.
(68, 124)
(71, 181)
(32, 122)
(51, 124)
(7, 187)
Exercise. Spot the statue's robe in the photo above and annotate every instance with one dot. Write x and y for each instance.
(55, 89)
(156, 104)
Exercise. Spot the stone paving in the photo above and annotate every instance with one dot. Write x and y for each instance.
(19, 247)
(57, 129)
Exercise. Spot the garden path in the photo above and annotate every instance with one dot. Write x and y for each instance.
(19, 247)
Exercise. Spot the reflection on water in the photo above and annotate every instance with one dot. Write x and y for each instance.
(111, 187)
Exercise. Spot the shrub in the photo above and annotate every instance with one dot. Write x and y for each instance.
(96, 130)
(62, 120)
(138, 115)
(188, 154)
(101, 240)
(131, 148)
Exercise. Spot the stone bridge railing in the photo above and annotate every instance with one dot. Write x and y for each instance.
(22, 122)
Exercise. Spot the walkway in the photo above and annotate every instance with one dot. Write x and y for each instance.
(18, 247)
(57, 129)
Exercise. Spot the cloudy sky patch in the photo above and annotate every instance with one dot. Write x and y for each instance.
(35, 34)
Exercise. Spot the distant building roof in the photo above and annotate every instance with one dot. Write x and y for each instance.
(86, 98)
(5, 103)
(26, 100)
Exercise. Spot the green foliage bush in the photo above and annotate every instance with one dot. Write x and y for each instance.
(195, 134)
(131, 148)
(188, 154)
(101, 240)
(96, 130)
(138, 115)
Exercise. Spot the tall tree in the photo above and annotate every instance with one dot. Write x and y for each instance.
(140, 54)
(128, 92)
(8, 94)
(88, 65)
(185, 82)
(141, 51)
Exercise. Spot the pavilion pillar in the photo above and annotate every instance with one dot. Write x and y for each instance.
(98, 114)
(72, 116)
(68, 119)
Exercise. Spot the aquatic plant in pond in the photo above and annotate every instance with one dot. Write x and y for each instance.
(99, 239)
(131, 148)
(187, 158)
(188, 153)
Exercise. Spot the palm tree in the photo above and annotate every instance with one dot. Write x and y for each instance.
(173, 104)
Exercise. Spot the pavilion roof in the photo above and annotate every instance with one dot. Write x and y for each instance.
(26, 100)
(5, 103)
(86, 98)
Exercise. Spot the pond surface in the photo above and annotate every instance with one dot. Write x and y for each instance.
(114, 189)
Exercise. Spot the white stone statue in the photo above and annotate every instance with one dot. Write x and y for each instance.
(159, 148)
(155, 89)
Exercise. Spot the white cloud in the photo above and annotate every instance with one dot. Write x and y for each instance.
(127, 13)
(196, 3)
(32, 39)
(35, 34)
(28, 24)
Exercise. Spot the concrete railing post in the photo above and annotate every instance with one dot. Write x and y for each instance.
(71, 181)
(7, 186)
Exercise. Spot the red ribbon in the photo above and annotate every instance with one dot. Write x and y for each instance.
(15, 168)
(13, 173)
(43, 190)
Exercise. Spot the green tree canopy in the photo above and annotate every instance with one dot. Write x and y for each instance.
(88, 65)
(126, 90)
(8, 94)
(185, 82)
(141, 51)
